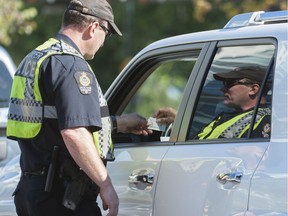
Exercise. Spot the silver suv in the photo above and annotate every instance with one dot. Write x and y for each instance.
(169, 173)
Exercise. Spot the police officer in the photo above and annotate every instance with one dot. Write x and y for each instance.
(59, 116)
(241, 88)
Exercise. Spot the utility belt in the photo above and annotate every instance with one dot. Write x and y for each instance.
(41, 172)
(77, 184)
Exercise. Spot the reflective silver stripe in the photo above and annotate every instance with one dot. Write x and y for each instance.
(23, 110)
(104, 111)
(237, 127)
(50, 112)
(29, 111)
(234, 130)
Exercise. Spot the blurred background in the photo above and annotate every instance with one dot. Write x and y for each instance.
(24, 24)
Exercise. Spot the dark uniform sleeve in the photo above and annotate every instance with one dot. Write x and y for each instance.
(263, 129)
(73, 92)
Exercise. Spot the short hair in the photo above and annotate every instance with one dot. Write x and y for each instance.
(77, 19)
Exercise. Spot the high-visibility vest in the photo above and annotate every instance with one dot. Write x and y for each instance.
(26, 108)
(234, 127)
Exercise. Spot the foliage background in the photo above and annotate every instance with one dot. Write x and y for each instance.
(26, 24)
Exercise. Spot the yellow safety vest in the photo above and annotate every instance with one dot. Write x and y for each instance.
(235, 127)
(26, 108)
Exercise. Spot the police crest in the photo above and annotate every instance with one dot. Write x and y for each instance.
(266, 130)
(84, 81)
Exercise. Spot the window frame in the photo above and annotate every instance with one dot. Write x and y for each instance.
(132, 77)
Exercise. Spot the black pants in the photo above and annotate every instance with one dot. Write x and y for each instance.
(31, 200)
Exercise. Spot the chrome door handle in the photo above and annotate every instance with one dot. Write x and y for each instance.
(149, 179)
(141, 179)
(234, 177)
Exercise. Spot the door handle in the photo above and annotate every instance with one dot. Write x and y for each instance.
(141, 179)
(233, 177)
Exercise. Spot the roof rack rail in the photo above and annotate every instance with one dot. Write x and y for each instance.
(257, 18)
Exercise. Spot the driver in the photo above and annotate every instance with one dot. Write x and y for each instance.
(241, 89)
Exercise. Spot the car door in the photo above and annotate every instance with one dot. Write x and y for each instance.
(155, 78)
(212, 177)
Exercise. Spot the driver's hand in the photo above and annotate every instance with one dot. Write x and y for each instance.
(165, 115)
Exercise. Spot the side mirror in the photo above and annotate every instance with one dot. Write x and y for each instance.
(3, 149)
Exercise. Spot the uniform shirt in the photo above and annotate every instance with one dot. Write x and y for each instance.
(60, 87)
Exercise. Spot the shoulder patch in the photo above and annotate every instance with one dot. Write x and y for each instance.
(266, 130)
(84, 81)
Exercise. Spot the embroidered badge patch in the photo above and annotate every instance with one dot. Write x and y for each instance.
(266, 130)
(84, 81)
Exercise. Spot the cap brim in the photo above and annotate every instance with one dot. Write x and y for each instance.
(115, 28)
(224, 76)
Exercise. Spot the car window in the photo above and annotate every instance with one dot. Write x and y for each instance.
(163, 86)
(210, 101)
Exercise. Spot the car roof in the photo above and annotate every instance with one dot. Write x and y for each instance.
(276, 31)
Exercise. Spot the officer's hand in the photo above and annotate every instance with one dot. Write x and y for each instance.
(110, 199)
(133, 123)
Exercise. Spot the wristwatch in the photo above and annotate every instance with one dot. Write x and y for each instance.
(114, 124)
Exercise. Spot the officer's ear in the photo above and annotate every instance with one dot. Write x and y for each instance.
(254, 89)
(91, 29)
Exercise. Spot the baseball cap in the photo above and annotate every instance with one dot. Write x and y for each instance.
(96, 8)
(252, 73)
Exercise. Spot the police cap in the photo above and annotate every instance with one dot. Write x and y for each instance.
(97, 8)
(253, 73)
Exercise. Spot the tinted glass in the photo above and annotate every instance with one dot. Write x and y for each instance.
(210, 102)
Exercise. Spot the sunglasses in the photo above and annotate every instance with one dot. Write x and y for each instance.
(108, 32)
(230, 83)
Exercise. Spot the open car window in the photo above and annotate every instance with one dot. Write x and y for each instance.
(164, 87)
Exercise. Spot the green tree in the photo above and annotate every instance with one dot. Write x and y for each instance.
(141, 22)
(15, 18)
(232, 7)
